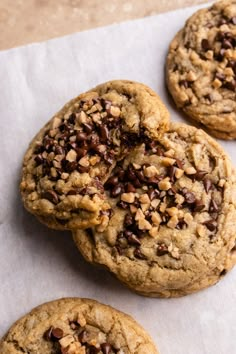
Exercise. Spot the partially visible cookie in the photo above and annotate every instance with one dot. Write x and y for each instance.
(172, 230)
(201, 68)
(71, 157)
(76, 326)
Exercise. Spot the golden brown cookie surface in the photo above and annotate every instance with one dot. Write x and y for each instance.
(72, 156)
(76, 326)
(172, 227)
(201, 68)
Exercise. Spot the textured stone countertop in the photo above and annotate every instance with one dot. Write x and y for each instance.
(27, 21)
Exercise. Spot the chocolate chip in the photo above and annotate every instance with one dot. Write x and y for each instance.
(179, 163)
(83, 169)
(51, 196)
(224, 271)
(72, 192)
(71, 118)
(57, 333)
(171, 173)
(83, 336)
(131, 174)
(138, 254)
(106, 348)
(140, 176)
(207, 184)
(116, 191)
(59, 150)
(104, 133)
(184, 83)
(220, 76)
(199, 205)
(213, 207)
(88, 128)
(153, 193)
(108, 157)
(80, 136)
(68, 166)
(230, 85)
(48, 334)
(129, 188)
(112, 181)
(122, 205)
(189, 198)
(92, 350)
(128, 220)
(200, 175)
(181, 224)
(226, 44)
(120, 173)
(162, 249)
(205, 45)
(133, 239)
(222, 21)
(81, 152)
(38, 159)
(210, 224)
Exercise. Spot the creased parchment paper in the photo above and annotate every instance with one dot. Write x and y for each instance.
(38, 264)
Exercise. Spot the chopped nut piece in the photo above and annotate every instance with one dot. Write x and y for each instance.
(115, 111)
(139, 215)
(145, 206)
(179, 173)
(81, 320)
(156, 219)
(71, 155)
(221, 183)
(133, 209)
(201, 230)
(82, 117)
(169, 153)
(143, 224)
(163, 207)
(144, 198)
(94, 159)
(128, 197)
(167, 161)
(191, 76)
(172, 211)
(190, 170)
(155, 203)
(154, 231)
(104, 223)
(173, 222)
(164, 184)
(188, 218)
(84, 161)
(136, 166)
(64, 175)
(55, 123)
(216, 83)
(150, 171)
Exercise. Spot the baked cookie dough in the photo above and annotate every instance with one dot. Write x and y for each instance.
(201, 68)
(172, 230)
(72, 156)
(76, 326)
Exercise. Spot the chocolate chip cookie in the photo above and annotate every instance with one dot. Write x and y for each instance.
(172, 229)
(72, 156)
(201, 68)
(76, 326)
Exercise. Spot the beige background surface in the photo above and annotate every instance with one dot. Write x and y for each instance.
(27, 21)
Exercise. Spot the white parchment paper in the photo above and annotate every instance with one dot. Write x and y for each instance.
(38, 264)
